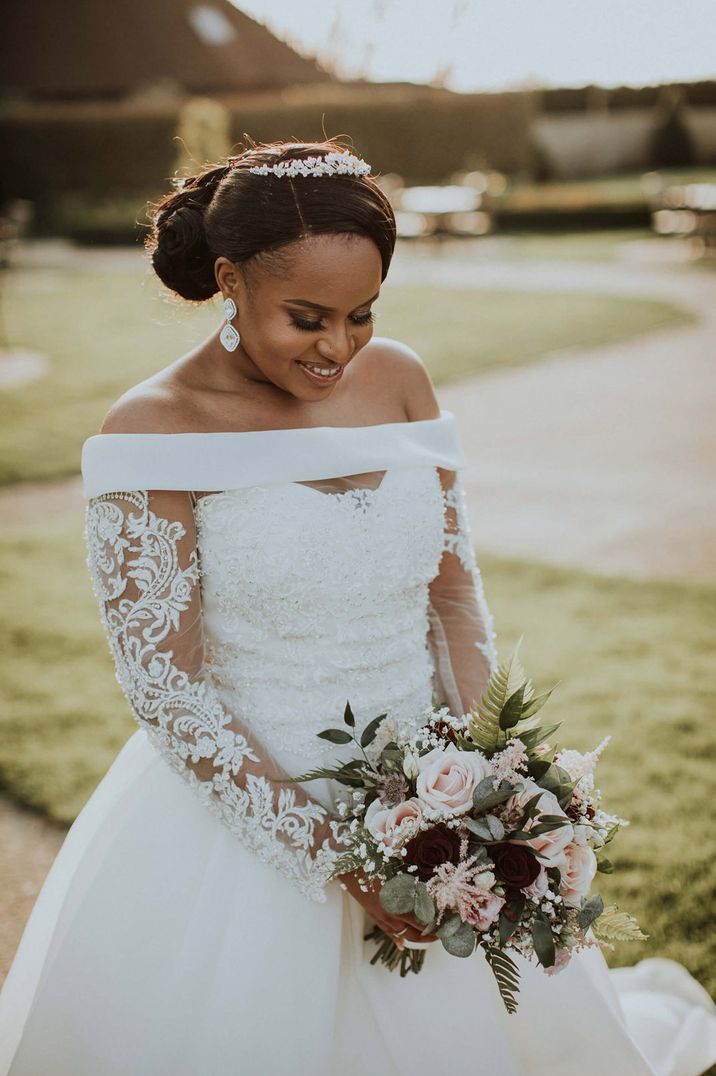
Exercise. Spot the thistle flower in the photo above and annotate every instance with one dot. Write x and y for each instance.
(392, 789)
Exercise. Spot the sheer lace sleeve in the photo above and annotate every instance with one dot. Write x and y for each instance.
(461, 635)
(144, 566)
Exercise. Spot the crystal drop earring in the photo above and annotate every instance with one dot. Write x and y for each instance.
(228, 335)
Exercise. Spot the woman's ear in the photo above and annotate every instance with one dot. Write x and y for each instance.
(229, 278)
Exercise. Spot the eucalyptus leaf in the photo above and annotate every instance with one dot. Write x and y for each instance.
(348, 716)
(449, 925)
(535, 704)
(336, 735)
(398, 895)
(531, 807)
(508, 923)
(478, 827)
(537, 768)
(512, 710)
(462, 942)
(495, 827)
(369, 732)
(485, 797)
(424, 904)
(554, 779)
(533, 737)
(543, 941)
(590, 910)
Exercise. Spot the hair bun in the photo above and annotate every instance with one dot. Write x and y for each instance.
(181, 257)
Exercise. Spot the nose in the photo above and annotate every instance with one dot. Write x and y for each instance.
(338, 347)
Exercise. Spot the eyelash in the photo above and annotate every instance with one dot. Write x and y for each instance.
(314, 326)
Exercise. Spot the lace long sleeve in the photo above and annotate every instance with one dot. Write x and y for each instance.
(461, 635)
(144, 566)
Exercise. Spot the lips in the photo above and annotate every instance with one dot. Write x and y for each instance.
(321, 378)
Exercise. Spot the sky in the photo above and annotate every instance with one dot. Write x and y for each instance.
(473, 45)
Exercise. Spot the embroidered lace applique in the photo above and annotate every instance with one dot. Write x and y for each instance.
(128, 542)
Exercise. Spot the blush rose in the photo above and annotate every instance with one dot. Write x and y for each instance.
(578, 873)
(393, 825)
(447, 779)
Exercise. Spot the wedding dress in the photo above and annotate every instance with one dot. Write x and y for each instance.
(251, 584)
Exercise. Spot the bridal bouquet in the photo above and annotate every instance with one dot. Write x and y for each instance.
(484, 832)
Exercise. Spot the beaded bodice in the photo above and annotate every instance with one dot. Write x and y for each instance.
(313, 599)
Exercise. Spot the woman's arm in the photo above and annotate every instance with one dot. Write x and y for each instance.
(461, 635)
(144, 565)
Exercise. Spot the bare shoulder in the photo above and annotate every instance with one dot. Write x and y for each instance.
(149, 407)
(401, 369)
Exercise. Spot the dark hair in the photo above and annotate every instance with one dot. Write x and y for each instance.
(227, 211)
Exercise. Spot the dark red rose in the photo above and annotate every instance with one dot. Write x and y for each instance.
(515, 865)
(431, 847)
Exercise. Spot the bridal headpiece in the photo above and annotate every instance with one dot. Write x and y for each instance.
(332, 164)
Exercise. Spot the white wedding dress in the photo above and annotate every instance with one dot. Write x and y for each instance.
(250, 585)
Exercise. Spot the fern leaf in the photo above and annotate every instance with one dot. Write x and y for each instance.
(506, 974)
(613, 925)
(484, 728)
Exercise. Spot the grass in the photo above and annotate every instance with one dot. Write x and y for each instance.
(599, 191)
(635, 660)
(106, 328)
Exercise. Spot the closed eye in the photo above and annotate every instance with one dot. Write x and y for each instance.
(314, 326)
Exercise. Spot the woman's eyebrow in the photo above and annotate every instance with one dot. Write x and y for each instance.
(326, 309)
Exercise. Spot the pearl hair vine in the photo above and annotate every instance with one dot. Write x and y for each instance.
(332, 164)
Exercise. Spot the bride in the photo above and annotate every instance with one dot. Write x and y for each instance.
(276, 526)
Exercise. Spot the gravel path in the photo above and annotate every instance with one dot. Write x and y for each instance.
(606, 463)
(602, 459)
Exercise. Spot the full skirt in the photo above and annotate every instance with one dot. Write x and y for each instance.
(160, 946)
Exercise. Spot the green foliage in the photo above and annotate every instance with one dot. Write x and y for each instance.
(590, 911)
(543, 940)
(506, 975)
(397, 895)
(614, 925)
(507, 707)
(335, 735)
(458, 940)
(371, 729)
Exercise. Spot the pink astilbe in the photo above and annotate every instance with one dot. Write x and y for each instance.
(466, 889)
(510, 764)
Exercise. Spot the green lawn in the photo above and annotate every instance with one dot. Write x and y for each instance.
(106, 328)
(634, 659)
(605, 191)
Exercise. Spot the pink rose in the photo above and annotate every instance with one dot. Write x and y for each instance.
(550, 845)
(393, 825)
(480, 907)
(447, 779)
(578, 873)
(539, 887)
(561, 959)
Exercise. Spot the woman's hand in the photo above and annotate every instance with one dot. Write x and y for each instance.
(401, 928)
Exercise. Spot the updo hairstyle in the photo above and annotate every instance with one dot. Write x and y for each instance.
(226, 211)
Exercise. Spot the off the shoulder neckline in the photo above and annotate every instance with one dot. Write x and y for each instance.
(444, 414)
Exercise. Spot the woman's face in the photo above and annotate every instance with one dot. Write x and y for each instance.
(317, 311)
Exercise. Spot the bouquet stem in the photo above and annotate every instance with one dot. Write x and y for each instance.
(389, 954)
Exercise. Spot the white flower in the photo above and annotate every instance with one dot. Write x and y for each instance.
(411, 769)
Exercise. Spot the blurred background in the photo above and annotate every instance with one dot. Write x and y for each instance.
(553, 172)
